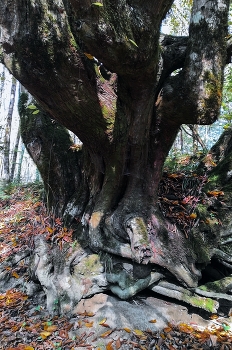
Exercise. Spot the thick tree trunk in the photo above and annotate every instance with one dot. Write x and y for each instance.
(127, 124)
(49, 145)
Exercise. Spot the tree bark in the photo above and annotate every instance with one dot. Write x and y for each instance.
(6, 153)
(14, 157)
(2, 77)
(127, 122)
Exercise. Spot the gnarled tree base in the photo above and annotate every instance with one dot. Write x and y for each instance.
(74, 273)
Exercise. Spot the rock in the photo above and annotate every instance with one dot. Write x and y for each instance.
(121, 316)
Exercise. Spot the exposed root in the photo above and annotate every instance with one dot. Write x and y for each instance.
(223, 285)
(173, 291)
(67, 278)
(139, 239)
(218, 253)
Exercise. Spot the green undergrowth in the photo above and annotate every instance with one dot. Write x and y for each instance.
(23, 191)
(183, 163)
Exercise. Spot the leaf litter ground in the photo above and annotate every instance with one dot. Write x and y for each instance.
(24, 321)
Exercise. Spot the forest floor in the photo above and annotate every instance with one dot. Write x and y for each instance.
(25, 323)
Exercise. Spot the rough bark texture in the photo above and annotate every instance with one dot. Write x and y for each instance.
(127, 118)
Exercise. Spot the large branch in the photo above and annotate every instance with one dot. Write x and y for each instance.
(206, 58)
(174, 51)
(39, 49)
(194, 95)
(122, 34)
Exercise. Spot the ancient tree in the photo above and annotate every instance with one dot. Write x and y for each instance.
(104, 71)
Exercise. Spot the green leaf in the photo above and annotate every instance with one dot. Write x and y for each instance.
(226, 327)
(97, 4)
(31, 107)
(36, 112)
(133, 42)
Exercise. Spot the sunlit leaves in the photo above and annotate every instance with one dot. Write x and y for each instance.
(33, 108)
(132, 42)
(97, 4)
(177, 20)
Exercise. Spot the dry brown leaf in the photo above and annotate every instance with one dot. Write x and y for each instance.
(109, 346)
(118, 344)
(167, 329)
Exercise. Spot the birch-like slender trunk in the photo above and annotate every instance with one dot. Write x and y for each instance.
(6, 152)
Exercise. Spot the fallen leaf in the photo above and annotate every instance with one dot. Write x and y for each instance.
(214, 317)
(50, 328)
(63, 333)
(153, 321)
(14, 274)
(105, 325)
(173, 176)
(45, 334)
(167, 329)
(138, 332)
(118, 344)
(104, 335)
(127, 329)
(102, 321)
(109, 346)
(215, 193)
(89, 324)
(193, 216)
